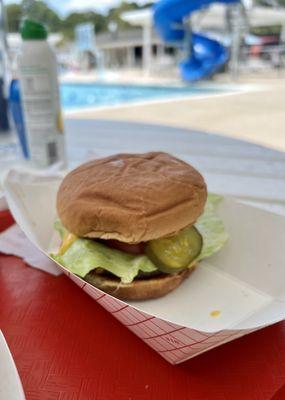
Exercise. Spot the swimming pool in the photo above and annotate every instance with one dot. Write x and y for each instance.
(75, 95)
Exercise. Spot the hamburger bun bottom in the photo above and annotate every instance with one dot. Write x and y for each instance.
(139, 289)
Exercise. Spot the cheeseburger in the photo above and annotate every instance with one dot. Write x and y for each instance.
(135, 225)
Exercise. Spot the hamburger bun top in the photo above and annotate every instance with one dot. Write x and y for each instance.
(131, 197)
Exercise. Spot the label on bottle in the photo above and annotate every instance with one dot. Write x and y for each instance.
(42, 117)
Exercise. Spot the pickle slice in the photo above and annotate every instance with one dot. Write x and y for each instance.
(174, 253)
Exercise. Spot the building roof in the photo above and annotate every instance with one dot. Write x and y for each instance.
(213, 17)
(138, 17)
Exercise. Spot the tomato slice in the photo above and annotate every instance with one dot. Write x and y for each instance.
(137, 248)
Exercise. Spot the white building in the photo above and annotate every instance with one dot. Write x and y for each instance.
(143, 47)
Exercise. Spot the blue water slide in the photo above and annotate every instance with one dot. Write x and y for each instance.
(206, 56)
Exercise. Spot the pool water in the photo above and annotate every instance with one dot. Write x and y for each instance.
(99, 94)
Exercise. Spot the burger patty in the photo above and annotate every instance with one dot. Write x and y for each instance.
(137, 248)
(141, 275)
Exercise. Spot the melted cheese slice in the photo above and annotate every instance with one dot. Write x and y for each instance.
(68, 240)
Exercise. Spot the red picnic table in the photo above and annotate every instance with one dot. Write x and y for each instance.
(67, 347)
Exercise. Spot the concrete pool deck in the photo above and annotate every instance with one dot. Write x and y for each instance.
(257, 116)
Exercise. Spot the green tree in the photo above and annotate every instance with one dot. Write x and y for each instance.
(14, 14)
(74, 19)
(37, 9)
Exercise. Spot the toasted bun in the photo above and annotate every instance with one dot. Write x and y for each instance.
(139, 289)
(131, 197)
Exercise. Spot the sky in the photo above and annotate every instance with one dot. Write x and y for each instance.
(64, 7)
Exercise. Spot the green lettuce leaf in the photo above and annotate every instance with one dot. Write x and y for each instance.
(84, 255)
(211, 228)
(60, 228)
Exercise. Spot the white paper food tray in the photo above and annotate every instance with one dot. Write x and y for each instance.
(237, 291)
